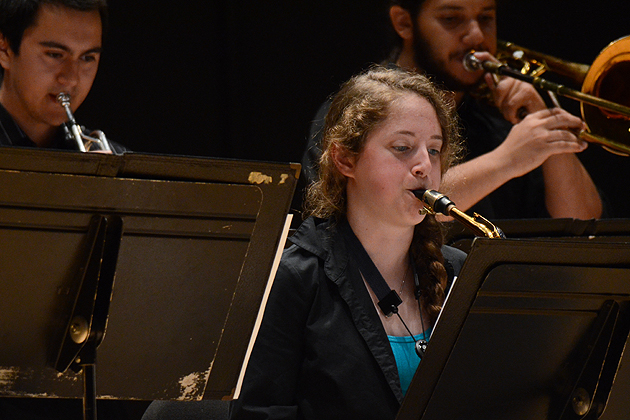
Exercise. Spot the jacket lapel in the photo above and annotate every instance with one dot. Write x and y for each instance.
(342, 270)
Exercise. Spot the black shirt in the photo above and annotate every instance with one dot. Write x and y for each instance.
(484, 129)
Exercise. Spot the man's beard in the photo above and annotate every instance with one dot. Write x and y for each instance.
(437, 72)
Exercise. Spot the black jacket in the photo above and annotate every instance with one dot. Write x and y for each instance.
(322, 352)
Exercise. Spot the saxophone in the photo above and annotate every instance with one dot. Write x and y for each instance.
(435, 202)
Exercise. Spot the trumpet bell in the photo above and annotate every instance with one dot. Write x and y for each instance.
(609, 78)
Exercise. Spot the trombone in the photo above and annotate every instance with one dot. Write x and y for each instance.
(603, 102)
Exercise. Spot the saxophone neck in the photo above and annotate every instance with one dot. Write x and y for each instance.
(479, 224)
(436, 202)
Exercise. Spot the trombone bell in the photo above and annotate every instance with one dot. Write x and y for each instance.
(608, 78)
(604, 96)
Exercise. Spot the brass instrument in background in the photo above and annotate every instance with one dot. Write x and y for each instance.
(84, 142)
(435, 202)
(604, 95)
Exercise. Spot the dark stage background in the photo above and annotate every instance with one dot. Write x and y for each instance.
(243, 79)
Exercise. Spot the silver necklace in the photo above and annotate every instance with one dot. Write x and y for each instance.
(420, 345)
(402, 286)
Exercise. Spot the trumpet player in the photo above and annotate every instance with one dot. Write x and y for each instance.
(521, 160)
(47, 48)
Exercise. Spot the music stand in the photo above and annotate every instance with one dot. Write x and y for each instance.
(531, 329)
(160, 262)
(616, 230)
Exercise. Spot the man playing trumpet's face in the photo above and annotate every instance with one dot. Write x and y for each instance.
(58, 52)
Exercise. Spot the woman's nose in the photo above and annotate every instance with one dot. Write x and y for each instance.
(422, 165)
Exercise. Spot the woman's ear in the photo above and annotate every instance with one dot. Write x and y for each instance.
(343, 160)
(401, 21)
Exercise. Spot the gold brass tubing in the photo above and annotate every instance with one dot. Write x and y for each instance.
(478, 224)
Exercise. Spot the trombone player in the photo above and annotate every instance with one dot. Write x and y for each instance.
(521, 160)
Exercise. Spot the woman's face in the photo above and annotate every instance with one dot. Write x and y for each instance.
(400, 155)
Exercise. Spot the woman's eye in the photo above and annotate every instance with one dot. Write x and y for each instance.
(434, 152)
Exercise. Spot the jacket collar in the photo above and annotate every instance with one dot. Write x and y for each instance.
(322, 238)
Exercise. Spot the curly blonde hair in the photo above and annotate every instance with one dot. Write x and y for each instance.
(357, 109)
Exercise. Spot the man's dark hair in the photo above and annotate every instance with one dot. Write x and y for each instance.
(17, 15)
(413, 7)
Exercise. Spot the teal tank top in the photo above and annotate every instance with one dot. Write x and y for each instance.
(407, 360)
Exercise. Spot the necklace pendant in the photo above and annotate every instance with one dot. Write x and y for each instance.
(421, 347)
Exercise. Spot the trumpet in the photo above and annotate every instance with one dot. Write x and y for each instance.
(74, 132)
(604, 107)
(435, 202)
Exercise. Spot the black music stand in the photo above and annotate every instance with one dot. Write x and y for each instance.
(151, 268)
(531, 330)
(615, 230)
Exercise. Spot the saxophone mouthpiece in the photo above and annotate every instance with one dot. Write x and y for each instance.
(419, 193)
(436, 201)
